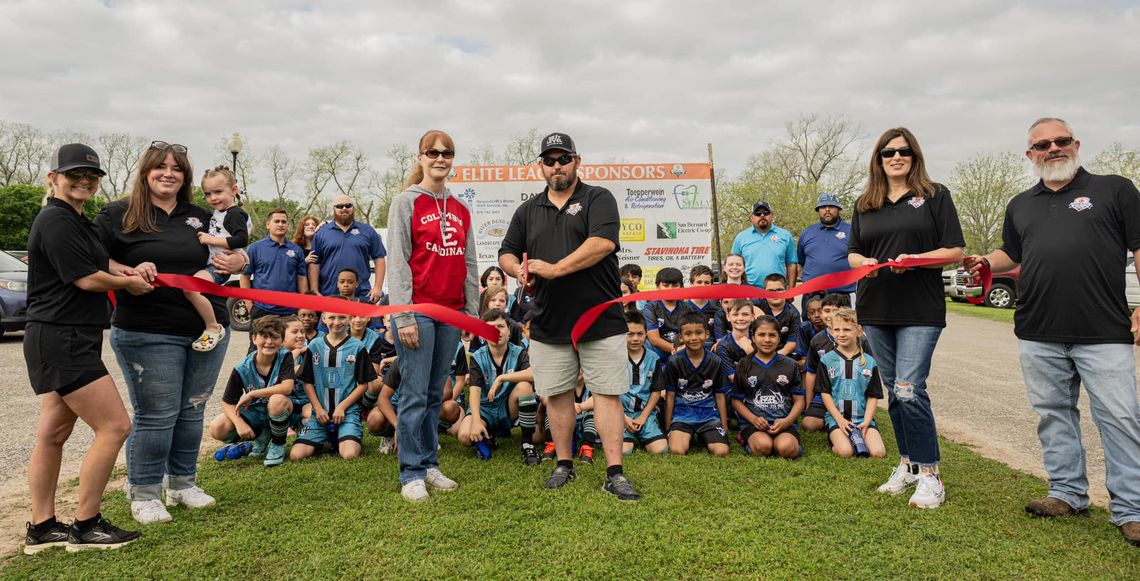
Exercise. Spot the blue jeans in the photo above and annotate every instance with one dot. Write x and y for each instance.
(903, 355)
(1053, 375)
(422, 373)
(168, 383)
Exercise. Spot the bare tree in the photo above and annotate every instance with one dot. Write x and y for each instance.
(283, 170)
(345, 168)
(121, 152)
(522, 149)
(483, 155)
(982, 186)
(1119, 160)
(24, 154)
(391, 182)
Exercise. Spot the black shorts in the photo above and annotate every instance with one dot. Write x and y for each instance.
(707, 433)
(747, 429)
(62, 358)
(815, 410)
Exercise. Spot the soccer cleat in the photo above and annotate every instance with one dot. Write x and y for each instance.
(548, 452)
(56, 536)
(260, 444)
(149, 511)
(900, 480)
(435, 479)
(559, 477)
(414, 491)
(274, 455)
(387, 445)
(530, 455)
(929, 493)
(620, 486)
(192, 497)
(586, 454)
(103, 535)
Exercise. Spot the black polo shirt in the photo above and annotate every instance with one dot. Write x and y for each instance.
(174, 249)
(63, 247)
(550, 234)
(1072, 247)
(912, 225)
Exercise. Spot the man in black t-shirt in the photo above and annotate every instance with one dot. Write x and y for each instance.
(1071, 232)
(569, 235)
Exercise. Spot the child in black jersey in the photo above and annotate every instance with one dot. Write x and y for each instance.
(662, 318)
(695, 389)
(767, 395)
(787, 317)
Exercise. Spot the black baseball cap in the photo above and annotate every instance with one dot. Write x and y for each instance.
(76, 156)
(557, 141)
(761, 205)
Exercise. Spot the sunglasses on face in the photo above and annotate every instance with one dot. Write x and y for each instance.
(163, 146)
(436, 153)
(342, 206)
(565, 159)
(762, 213)
(890, 152)
(1062, 142)
(76, 175)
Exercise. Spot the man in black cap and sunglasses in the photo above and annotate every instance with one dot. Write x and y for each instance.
(766, 248)
(564, 242)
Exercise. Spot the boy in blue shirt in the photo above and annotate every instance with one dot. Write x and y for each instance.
(695, 389)
(662, 317)
(640, 402)
(851, 388)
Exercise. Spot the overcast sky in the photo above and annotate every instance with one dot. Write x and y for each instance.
(632, 80)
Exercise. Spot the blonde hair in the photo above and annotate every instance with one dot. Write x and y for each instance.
(848, 315)
(427, 141)
(878, 188)
(224, 172)
(491, 293)
(140, 212)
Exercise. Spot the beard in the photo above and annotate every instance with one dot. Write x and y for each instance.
(345, 219)
(1059, 171)
(558, 182)
(830, 221)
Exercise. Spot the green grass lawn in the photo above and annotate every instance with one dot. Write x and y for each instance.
(701, 517)
(980, 311)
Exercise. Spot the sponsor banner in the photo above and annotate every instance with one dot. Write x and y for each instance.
(666, 209)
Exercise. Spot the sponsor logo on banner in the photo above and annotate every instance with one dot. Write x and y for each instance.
(632, 230)
(689, 198)
(1081, 204)
(493, 230)
(650, 199)
(666, 230)
(678, 170)
(468, 196)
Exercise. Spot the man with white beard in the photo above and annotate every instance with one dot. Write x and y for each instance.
(1071, 232)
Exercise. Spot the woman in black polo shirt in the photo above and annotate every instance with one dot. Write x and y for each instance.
(68, 280)
(155, 230)
(903, 214)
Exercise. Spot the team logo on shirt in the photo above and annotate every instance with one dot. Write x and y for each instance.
(841, 235)
(707, 384)
(774, 238)
(316, 358)
(574, 209)
(867, 373)
(355, 231)
(1080, 203)
(822, 352)
(752, 379)
(290, 253)
(916, 202)
(783, 330)
(682, 383)
(831, 372)
(350, 359)
(197, 224)
(782, 379)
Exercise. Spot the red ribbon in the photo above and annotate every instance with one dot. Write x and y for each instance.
(737, 291)
(326, 304)
(984, 279)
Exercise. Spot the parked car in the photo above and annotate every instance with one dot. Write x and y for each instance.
(13, 293)
(1003, 290)
(20, 254)
(948, 283)
(239, 315)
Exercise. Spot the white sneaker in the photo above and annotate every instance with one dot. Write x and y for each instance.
(149, 511)
(437, 480)
(192, 497)
(900, 480)
(387, 444)
(929, 493)
(414, 491)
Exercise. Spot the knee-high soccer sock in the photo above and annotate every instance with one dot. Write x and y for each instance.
(528, 405)
(546, 428)
(367, 402)
(278, 427)
(589, 430)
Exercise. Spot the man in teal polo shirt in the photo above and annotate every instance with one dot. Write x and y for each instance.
(766, 248)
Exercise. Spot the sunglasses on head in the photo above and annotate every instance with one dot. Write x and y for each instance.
(435, 153)
(564, 159)
(890, 152)
(163, 146)
(1061, 142)
(342, 206)
(76, 175)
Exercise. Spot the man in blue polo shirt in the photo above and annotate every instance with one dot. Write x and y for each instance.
(766, 248)
(275, 263)
(346, 243)
(823, 247)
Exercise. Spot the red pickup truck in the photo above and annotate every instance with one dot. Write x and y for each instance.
(1003, 291)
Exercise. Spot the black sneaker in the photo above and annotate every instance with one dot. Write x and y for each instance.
(530, 455)
(103, 535)
(560, 476)
(56, 536)
(620, 486)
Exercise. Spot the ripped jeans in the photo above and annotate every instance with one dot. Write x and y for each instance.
(903, 355)
(168, 383)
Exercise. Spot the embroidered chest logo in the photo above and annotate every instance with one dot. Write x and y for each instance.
(774, 238)
(290, 253)
(866, 373)
(682, 383)
(841, 235)
(831, 372)
(783, 330)
(782, 379)
(194, 223)
(574, 209)
(316, 358)
(916, 202)
(1081, 203)
(355, 231)
(350, 359)
(707, 384)
(752, 379)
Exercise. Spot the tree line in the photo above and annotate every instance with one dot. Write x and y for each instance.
(815, 154)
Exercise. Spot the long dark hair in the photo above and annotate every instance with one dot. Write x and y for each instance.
(877, 187)
(139, 214)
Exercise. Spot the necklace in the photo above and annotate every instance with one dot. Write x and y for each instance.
(442, 213)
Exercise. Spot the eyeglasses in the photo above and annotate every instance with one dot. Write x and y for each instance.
(342, 206)
(436, 153)
(76, 175)
(889, 152)
(1061, 142)
(163, 146)
(761, 212)
(565, 159)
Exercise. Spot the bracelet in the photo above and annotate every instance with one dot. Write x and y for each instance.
(985, 261)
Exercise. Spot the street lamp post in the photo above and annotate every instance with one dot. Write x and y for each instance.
(234, 145)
